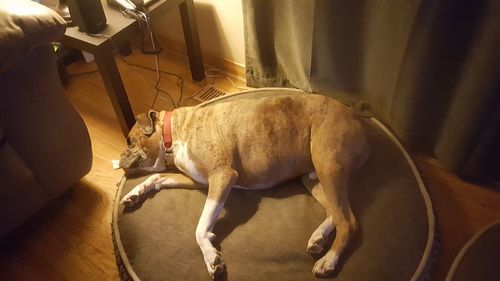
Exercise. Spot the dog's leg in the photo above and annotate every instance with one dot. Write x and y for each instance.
(219, 185)
(156, 182)
(335, 190)
(144, 187)
(335, 154)
(319, 237)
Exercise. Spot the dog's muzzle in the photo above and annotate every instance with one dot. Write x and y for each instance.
(129, 158)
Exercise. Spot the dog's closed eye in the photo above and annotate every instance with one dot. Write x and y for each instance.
(129, 158)
(129, 142)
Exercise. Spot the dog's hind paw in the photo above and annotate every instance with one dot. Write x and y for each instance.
(325, 266)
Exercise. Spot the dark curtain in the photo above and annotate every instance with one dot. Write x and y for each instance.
(428, 69)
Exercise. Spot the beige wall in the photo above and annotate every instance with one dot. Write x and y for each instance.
(220, 25)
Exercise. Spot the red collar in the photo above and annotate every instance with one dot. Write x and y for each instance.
(167, 131)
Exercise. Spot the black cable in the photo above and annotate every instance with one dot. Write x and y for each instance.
(141, 20)
(152, 69)
(168, 95)
(144, 24)
(180, 80)
(144, 35)
(145, 30)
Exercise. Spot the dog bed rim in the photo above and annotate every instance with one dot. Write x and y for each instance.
(430, 245)
(458, 259)
(422, 268)
(298, 91)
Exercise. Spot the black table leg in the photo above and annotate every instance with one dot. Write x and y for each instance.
(111, 77)
(192, 40)
(125, 49)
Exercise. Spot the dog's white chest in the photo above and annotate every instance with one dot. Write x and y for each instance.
(184, 163)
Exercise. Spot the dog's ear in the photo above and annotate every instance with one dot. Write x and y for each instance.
(147, 122)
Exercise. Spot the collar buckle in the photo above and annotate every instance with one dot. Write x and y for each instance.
(168, 150)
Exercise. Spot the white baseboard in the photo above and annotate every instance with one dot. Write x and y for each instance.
(235, 70)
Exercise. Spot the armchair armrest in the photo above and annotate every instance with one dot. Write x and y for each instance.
(25, 25)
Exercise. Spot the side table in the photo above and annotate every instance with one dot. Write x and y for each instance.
(122, 30)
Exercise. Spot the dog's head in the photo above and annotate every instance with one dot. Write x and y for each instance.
(145, 151)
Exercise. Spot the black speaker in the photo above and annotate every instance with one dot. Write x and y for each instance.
(88, 15)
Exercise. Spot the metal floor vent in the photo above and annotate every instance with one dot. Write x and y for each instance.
(208, 93)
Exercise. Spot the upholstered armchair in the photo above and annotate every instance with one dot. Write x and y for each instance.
(44, 144)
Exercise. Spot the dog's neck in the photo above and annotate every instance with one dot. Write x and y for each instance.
(177, 118)
(167, 139)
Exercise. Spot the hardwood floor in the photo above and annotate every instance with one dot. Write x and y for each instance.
(70, 239)
(462, 209)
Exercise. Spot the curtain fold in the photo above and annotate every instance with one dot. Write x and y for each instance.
(270, 27)
(428, 69)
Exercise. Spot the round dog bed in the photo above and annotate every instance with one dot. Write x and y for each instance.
(263, 235)
(479, 258)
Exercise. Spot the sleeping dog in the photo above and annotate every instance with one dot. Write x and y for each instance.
(255, 144)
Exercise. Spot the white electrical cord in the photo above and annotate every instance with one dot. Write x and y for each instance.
(141, 16)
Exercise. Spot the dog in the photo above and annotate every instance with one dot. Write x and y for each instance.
(255, 144)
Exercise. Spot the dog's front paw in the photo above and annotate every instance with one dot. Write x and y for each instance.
(325, 266)
(130, 199)
(215, 265)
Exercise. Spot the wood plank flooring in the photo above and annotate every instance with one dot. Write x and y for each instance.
(70, 239)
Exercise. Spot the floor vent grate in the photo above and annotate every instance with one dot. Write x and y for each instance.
(208, 93)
